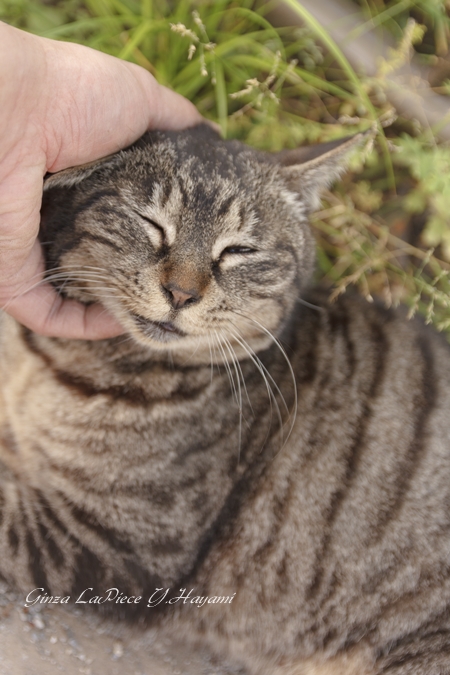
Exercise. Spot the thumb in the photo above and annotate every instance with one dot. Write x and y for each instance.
(22, 292)
(41, 309)
(166, 109)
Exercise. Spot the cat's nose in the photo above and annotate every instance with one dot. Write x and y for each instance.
(179, 297)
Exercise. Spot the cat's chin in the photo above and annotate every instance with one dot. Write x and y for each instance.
(162, 336)
(159, 331)
(166, 336)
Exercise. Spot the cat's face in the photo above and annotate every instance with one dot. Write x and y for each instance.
(186, 238)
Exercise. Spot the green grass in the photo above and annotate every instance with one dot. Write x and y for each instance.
(385, 227)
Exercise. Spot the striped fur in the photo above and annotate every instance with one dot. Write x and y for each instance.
(245, 438)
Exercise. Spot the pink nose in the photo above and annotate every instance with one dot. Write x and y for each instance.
(178, 297)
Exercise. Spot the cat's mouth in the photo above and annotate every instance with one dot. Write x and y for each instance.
(162, 331)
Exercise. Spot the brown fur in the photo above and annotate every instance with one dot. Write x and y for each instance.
(245, 439)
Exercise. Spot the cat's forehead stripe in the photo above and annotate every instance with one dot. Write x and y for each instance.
(226, 205)
(166, 191)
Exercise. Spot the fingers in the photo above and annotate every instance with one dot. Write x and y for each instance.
(166, 109)
(45, 312)
(41, 309)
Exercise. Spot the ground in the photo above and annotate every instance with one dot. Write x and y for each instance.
(53, 639)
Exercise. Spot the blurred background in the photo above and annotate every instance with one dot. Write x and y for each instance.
(281, 74)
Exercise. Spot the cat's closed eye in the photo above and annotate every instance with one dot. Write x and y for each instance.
(157, 232)
(240, 250)
(154, 223)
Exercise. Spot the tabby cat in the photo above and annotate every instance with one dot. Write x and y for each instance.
(284, 460)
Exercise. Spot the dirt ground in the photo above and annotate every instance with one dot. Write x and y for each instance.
(53, 639)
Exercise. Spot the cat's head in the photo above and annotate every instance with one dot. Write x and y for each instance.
(185, 237)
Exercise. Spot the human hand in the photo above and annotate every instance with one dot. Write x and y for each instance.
(62, 105)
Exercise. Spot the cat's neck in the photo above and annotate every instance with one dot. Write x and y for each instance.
(124, 370)
(129, 357)
(122, 363)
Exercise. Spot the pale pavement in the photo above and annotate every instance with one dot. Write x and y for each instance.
(53, 639)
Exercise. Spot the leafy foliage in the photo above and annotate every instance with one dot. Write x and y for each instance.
(277, 88)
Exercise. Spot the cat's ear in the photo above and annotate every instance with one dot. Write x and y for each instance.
(309, 169)
(77, 174)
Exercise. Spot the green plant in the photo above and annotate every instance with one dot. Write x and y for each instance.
(277, 88)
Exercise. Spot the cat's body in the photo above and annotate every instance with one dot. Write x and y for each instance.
(318, 514)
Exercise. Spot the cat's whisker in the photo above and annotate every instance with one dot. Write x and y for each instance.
(227, 367)
(291, 370)
(238, 381)
(74, 279)
(286, 407)
(215, 354)
(193, 354)
(239, 377)
(210, 356)
(310, 305)
(20, 294)
(78, 274)
(262, 369)
(233, 361)
(74, 271)
(83, 267)
(71, 266)
(98, 290)
(238, 366)
(76, 268)
(128, 338)
(129, 295)
(64, 284)
(42, 281)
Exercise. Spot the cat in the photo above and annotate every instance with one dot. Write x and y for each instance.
(268, 473)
